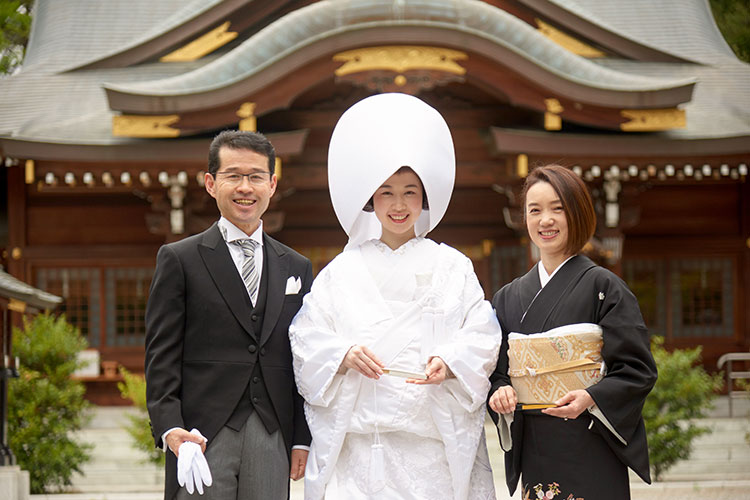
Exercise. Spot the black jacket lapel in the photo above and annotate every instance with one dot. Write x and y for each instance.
(220, 265)
(278, 271)
(558, 287)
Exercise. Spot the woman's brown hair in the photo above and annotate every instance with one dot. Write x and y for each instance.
(576, 202)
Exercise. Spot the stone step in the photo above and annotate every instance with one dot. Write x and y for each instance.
(676, 476)
(697, 467)
(741, 407)
(737, 452)
(95, 474)
(118, 468)
(108, 495)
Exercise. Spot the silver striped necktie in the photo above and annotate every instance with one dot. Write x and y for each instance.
(249, 272)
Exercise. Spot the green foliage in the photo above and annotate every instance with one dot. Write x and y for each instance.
(683, 393)
(15, 25)
(733, 19)
(134, 389)
(45, 405)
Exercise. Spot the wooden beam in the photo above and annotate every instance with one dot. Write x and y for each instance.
(468, 174)
(596, 145)
(139, 151)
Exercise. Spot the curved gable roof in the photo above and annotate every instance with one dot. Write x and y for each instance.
(71, 33)
(684, 28)
(589, 27)
(183, 21)
(327, 25)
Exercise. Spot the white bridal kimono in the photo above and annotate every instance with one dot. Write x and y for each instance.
(407, 305)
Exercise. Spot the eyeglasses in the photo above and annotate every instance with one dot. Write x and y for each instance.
(235, 179)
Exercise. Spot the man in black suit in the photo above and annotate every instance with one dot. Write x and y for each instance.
(217, 346)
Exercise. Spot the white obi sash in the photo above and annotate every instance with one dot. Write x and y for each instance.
(543, 367)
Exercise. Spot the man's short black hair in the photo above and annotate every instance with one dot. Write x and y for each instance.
(240, 139)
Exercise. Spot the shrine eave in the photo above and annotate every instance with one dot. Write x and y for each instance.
(167, 35)
(584, 27)
(13, 288)
(137, 150)
(514, 141)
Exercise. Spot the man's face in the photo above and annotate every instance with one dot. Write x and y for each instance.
(242, 200)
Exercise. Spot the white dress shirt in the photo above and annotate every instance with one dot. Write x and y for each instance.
(232, 233)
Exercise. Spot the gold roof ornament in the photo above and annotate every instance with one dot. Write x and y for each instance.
(146, 126)
(552, 119)
(400, 58)
(650, 120)
(247, 112)
(202, 45)
(568, 42)
(522, 165)
(29, 172)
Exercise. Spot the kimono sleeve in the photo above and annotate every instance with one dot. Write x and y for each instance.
(317, 349)
(471, 352)
(631, 370)
(499, 376)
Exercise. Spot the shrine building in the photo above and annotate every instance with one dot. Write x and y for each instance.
(104, 135)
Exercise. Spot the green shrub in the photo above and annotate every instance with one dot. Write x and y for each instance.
(683, 393)
(45, 405)
(134, 389)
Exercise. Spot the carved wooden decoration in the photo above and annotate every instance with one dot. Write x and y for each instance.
(400, 68)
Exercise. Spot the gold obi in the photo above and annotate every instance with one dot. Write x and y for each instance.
(543, 367)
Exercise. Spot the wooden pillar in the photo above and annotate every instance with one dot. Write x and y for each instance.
(744, 288)
(17, 221)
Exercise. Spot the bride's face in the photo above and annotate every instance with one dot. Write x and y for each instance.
(398, 204)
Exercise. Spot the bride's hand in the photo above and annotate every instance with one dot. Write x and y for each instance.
(436, 372)
(362, 359)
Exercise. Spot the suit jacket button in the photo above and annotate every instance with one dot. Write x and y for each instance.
(262, 351)
(252, 348)
(255, 400)
(254, 317)
(256, 380)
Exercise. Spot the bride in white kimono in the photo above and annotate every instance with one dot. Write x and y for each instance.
(395, 342)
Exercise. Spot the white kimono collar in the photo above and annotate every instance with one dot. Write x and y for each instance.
(543, 276)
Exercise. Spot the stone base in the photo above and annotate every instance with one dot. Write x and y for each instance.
(14, 483)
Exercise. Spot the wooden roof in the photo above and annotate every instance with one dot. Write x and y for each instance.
(118, 84)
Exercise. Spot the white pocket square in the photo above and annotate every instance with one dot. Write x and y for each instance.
(293, 285)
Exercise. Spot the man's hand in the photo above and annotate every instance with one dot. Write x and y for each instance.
(178, 436)
(299, 461)
(571, 405)
(504, 400)
(363, 360)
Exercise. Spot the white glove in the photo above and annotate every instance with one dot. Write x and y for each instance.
(201, 472)
(186, 452)
(192, 468)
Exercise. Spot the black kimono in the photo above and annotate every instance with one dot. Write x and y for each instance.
(581, 456)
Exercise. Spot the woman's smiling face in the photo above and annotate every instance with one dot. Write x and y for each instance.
(398, 204)
(546, 220)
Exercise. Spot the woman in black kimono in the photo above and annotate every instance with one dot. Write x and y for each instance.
(565, 452)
